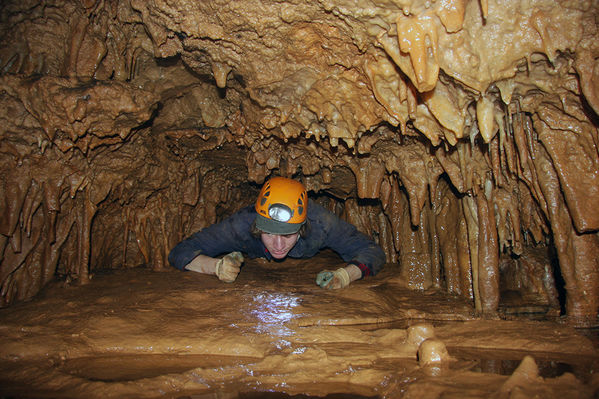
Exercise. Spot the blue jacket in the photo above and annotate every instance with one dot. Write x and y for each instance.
(327, 231)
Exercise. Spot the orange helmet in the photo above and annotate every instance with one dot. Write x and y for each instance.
(282, 206)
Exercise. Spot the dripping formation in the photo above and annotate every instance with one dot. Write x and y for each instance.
(461, 135)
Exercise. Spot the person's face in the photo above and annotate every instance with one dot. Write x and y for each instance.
(279, 245)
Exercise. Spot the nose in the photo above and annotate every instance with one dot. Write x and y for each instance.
(279, 244)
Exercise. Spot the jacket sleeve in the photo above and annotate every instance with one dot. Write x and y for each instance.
(220, 238)
(352, 245)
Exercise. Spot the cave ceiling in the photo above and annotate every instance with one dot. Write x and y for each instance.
(128, 124)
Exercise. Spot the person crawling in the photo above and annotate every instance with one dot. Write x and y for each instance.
(283, 222)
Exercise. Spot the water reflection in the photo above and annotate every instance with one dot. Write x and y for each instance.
(273, 310)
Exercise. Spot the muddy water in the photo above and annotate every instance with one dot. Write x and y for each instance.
(273, 333)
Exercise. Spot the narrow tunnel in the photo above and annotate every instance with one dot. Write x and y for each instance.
(459, 135)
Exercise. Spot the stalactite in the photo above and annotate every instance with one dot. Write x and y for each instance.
(369, 174)
(30, 205)
(388, 222)
(14, 196)
(358, 216)
(13, 261)
(77, 35)
(510, 164)
(485, 115)
(410, 164)
(464, 160)
(394, 211)
(566, 139)
(588, 69)
(415, 257)
(417, 37)
(220, 72)
(506, 205)
(386, 85)
(495, 158)
(451, 14)
(532, 219)
(3, 244)
(451, 166)
(528, 174)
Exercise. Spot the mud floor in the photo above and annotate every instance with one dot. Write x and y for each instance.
(275, 334)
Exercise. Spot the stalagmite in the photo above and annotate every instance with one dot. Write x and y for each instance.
(432, 352)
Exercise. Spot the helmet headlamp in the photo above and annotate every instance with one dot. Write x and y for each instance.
(280, 212)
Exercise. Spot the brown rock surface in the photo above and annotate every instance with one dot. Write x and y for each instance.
(460, 135)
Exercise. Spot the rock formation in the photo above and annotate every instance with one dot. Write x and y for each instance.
(457, 133)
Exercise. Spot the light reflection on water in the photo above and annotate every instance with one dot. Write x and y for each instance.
(273, 310)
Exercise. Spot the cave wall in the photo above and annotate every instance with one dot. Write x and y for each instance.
(454, 132)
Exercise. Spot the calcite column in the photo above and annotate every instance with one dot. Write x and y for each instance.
(488, 256)
(578, 254)
(453, 242)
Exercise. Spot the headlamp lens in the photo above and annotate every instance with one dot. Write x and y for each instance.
(280, 212)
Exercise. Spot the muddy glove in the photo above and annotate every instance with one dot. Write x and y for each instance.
(227, 268)
(333, 280)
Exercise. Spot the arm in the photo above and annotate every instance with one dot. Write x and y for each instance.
(202, 264)
(199, 252)
(354, 247)
(363, 255)
(226, 269)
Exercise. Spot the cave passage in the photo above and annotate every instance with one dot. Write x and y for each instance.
(460, 135)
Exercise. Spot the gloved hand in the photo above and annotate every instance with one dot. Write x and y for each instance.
(333, 280)
(228, 267)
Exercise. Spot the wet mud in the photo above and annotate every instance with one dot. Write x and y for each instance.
(274, 334)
